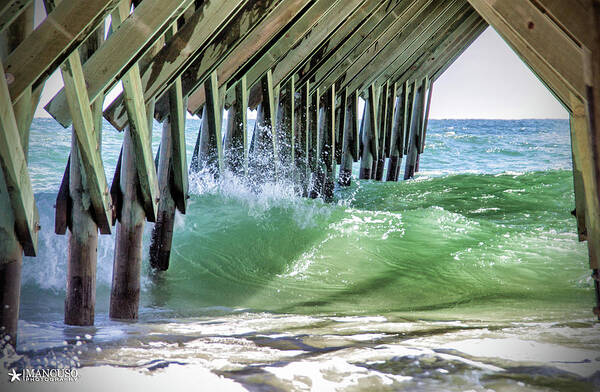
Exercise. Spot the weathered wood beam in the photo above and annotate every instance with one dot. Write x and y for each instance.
(586, 161)
(573, 17)
(367, 69)
(553, 55)
(52, 42)
(88, 141)
(10, 11)
(191, 42)
(247, 51)
(341, 16)
(436, 46)
(426, 116)
(124, 48)
(364, 38)
(16, 176)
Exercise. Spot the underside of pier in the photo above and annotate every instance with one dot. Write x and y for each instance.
(302, 64)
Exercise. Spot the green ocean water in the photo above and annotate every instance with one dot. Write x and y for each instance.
(469, 277)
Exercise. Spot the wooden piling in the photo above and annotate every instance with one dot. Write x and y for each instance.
(369, 135)
(235, 143)
(379, 164)
(125, 291)
(210, 153)
(301, 141)
(350, 138)
(397, 135)
(313, 144)
(415, 125)
(327, 153)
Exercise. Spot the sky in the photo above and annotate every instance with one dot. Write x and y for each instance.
(488, 81)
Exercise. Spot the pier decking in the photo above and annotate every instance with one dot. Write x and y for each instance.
(302, 64)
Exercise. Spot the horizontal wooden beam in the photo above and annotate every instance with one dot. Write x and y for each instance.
(14, 166)
(186, 45)
(125, 46)
(52, 42)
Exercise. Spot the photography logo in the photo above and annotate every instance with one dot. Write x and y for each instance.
(43, 375)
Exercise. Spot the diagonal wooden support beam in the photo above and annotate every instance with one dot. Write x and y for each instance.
(417, 56)
(554, 56)
(366, 71)
(370, 37)
(342, 15)
(14, 166)
(247, 51)
(87, 138)
(125, 46)
(52, 42)
(190, 43)
(140, 128)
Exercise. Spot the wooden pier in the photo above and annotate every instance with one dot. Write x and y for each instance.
(302, 64)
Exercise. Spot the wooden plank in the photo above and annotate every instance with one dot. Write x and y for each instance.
(125, 46)
(366, 36)
(290, 39)
(252, 46)
(436, 46)
(16, 176)
(550, 53)
(51, 43)
(139, 128)
(190, 43)
(10, 11)
(366, 70)
(335, 18)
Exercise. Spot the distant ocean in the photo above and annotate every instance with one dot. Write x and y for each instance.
(469, 277)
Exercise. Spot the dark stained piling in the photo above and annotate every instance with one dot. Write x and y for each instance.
(350, 138)
(369, 135)
(379, 164)
(415, 127)
(125, 291)
(397, 135)
(210, 153)
(162, 232)
(235, 143)
(301, 141)
(314, 122)
(327, 150)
